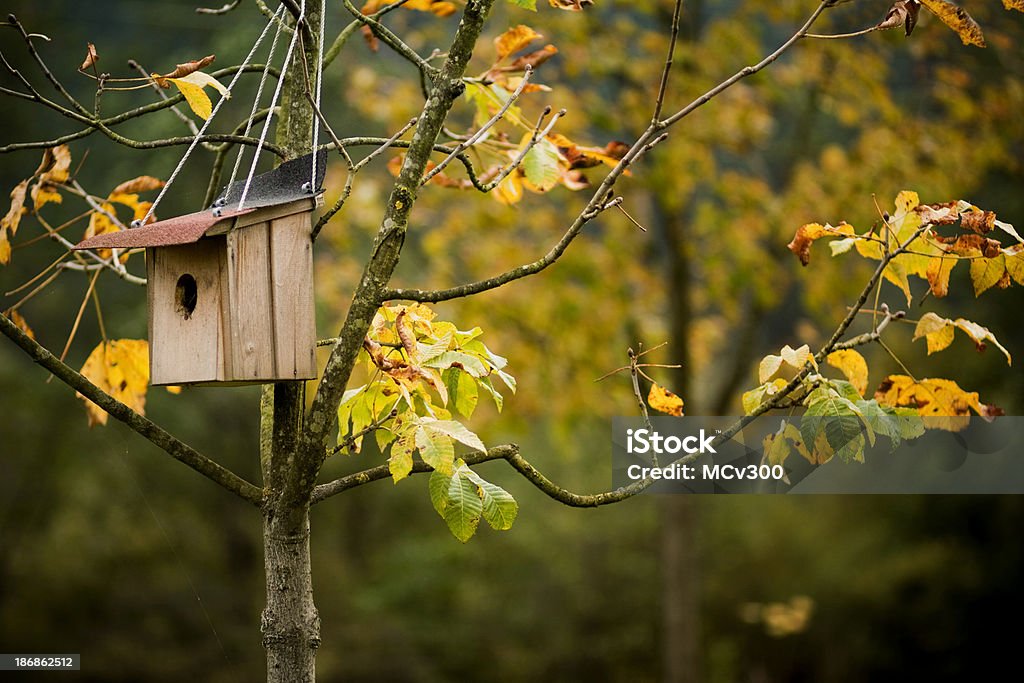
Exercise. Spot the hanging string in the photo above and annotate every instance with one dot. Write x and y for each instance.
(319, 82)
(259, 95)
(199, 134)
(273, 104)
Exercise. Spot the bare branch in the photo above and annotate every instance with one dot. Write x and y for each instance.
(391, 40)
(143, 426)
(663, 86)
(223, 10)
(648, 139)
(477, 136)
(509, 453)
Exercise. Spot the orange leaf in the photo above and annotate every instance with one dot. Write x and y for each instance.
(143, 183)
(514, 40)
(807, 234)
(664, 401)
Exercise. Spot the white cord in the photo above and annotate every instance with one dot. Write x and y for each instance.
(259, 95)
(273, 104)
(319, 81)
(202, 130)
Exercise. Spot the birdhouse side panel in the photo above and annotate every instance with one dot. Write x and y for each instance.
(251, 320)
(184, 292)
(291, 252)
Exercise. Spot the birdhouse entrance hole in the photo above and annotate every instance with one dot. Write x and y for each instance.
(186, 296)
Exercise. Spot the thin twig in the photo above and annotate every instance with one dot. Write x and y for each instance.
(663, 85)
(478, 135)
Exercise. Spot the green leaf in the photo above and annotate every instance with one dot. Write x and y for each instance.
(436, 449)
(456, 430)
(541, 166)
(438, 487)
(464, 508)
(525, 4)
(457, 359)
(499, 507)
(487, 386)
(841, 246)
(463, 393)
(839, 419)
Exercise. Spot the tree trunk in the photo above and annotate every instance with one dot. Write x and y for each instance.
(290, 623)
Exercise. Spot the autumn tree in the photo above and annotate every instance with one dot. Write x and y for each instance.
(398, 376)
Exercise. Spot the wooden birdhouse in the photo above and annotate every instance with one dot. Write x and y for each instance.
(230, 291)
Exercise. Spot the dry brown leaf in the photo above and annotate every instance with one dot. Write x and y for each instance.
(91, 57)
(10, 221)
(534, 59)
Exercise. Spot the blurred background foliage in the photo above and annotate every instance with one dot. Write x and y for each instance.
(113, 550)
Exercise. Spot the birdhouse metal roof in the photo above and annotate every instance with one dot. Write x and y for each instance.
(289, 182)
(178, 230)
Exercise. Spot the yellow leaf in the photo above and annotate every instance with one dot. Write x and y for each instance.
(509, 190)
(17, 210)
(514, 40)
(980, 335)
(100, 223)
(905, 203)
(937, 332)
(755, 397)
(204, 79)
(119, 367)
(937, 274)
(173, 389)
(957, 19)
(1014, 257)
(5, 248)
(55, 166)
(853, 365)
(943, 400)
(16, 318)
(44, 193)
(197, 99)
(664, 401)
(986, 272)
(1014, 4)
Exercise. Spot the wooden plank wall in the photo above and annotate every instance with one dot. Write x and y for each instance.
(292, 294)
(184, 349)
